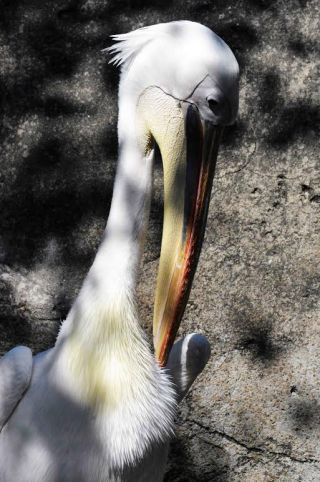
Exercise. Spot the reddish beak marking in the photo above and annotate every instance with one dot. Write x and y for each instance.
(202, 149)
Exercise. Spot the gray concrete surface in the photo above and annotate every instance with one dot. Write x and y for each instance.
(254, 415)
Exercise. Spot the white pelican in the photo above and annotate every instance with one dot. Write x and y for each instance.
(99, 406)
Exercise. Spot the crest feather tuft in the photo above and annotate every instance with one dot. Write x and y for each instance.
(128, 45)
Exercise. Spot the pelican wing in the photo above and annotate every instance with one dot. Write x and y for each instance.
(15, 376)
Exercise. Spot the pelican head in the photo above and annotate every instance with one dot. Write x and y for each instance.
(179, 86)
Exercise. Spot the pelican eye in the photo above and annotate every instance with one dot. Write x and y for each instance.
(213, 105)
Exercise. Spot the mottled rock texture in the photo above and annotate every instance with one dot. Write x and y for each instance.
(254, 414)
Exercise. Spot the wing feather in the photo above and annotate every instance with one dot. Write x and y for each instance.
(15, 376)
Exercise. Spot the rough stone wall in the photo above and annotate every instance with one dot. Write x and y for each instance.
(254, 414)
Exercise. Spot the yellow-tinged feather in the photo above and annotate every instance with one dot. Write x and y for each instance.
(107, 360)
(108, 356)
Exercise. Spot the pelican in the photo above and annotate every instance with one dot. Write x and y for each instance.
(100, 405)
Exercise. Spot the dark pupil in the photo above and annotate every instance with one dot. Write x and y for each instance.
(213, 104)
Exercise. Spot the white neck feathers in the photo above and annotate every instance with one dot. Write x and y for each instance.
(103, 357)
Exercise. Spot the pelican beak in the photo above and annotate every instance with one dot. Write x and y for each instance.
(186, 200)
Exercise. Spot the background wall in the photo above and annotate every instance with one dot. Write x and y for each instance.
(254, 415)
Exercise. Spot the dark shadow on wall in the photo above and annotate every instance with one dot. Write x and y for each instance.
(55, 51)
(298, 120)
(15, 326)
(140, 5)
(48, 200)
(258, 341)
(270, 93)
(241, 36)
(256, 335)
(304, 412)
(75, 12)
(50, 46)
(286, 124)
(110, 74)
(261, 5)
(55, 106)
(301, 46)
(198, 460)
